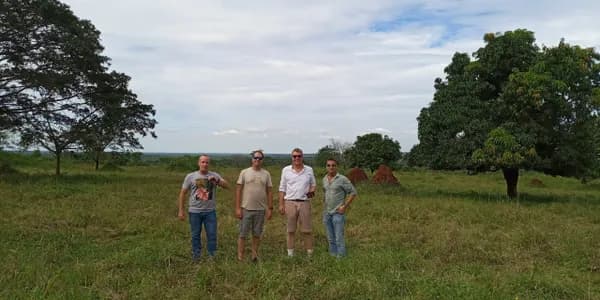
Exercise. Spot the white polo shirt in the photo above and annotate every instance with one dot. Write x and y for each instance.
(294, 184)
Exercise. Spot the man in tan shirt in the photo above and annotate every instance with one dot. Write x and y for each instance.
(253, 199)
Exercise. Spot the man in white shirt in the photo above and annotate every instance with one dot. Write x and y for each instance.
(296, 188)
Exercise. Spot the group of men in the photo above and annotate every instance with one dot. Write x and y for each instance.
(254, 204)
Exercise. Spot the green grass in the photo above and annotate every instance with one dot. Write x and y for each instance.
(442, 235)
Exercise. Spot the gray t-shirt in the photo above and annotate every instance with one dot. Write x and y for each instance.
(202, 192)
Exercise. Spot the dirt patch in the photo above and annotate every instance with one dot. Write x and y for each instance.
(384, 175)
(357, 175)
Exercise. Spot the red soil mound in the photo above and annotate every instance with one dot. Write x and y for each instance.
(357, 175)
(384, 175)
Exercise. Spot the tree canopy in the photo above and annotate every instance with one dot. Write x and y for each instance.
(55, 84)
(334, 150)
(47, 58)
(371, 150)
(546, 99)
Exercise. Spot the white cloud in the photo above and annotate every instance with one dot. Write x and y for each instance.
(379, 130)
(227, 132)
(281, 74)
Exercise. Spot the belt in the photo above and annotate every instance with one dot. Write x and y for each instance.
(295, 200)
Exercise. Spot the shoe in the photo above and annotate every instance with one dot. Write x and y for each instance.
(255, 259)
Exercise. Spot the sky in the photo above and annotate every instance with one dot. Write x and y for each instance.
(234, 76)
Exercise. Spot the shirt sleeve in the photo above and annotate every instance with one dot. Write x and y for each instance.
(269, 181)
(348, 187)
(186, 182)
(240, 180)
(282, 182)
(313, 180)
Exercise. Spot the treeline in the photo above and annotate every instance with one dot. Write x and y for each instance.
(57, 91)
(116, 161)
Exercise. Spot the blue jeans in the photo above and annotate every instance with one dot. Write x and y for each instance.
(334, 224)
(209, 219)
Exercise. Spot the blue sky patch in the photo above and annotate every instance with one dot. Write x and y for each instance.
(419, 16)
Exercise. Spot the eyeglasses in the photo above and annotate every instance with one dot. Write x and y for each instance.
(258, 158)
(333, 166)
(296, 156)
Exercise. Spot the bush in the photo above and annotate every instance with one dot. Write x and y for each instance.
(7, 169)
(181, 163)
(111, 167)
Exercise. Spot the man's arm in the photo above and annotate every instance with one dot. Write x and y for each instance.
(343, 207)
(223, 183)
(351, 192)
(313, 186)
(269, 202)
(282, 188)
(281, 206)
(181, 199)
(238, 201)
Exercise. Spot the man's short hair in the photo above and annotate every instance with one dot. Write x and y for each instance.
(257, 151)
(332, 159)
(297, 150)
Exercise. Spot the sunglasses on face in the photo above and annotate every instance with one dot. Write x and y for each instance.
(296, 156)
(257, 158)
(332, 166)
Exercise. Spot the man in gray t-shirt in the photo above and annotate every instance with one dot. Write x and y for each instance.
(202, 187)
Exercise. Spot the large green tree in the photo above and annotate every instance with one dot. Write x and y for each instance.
(455, 122)
(462, 112)
(55, 89)
(554, 105)
(547, 100)
(371, 150)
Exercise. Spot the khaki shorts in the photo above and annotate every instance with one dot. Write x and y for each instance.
(298, 211)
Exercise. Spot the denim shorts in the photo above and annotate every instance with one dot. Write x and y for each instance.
(252, 220)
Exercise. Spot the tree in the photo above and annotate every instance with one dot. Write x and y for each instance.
(335, 150)
(502, 150)
(462, 112)
(545, 100)
(46, 57)
(554, 105)
(455, 123)
(120, 119)
(371, 150)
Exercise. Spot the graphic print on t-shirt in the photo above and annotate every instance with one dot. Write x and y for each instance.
(203, 189)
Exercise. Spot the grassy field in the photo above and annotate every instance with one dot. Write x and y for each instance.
(442, 235)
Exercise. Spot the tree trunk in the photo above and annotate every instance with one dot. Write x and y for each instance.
(97, 159)
(511, 176)
(58, 154)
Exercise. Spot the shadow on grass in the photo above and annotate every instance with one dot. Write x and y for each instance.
(524, 198)
(474, 195)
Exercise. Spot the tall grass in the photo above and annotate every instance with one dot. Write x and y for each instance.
(438, 235)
